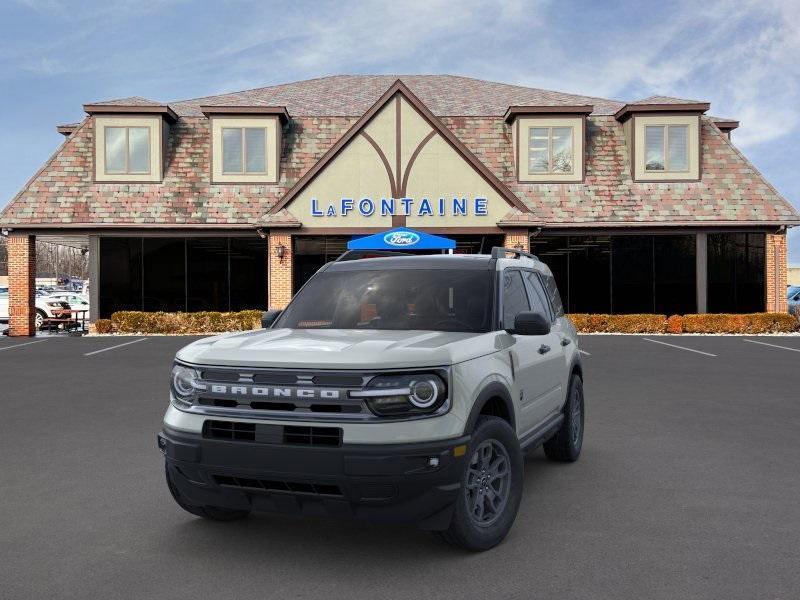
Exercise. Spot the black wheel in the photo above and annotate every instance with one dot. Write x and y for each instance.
(565, 445)
(215, 513)
(491, 488)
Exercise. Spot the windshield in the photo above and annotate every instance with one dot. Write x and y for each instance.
(440, 300)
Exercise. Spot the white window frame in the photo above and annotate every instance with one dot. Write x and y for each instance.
(244, 171)
(127, 129)
(665, 148)
(550, 129)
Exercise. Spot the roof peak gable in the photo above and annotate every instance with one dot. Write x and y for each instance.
(399, 88)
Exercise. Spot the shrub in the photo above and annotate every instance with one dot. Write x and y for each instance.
(706, 323)
(197, 322)
(675, 324)
(747, 323)
(103, 326)
(585, 323)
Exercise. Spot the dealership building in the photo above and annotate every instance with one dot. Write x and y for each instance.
(233, 201)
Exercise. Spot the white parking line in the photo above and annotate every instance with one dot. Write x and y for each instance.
(20, 345)
(680, 347)
(771, 345)
(584, 352)
(113, 347)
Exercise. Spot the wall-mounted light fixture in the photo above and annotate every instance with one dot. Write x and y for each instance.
(261, 233)
(517, 246)
(280, 252)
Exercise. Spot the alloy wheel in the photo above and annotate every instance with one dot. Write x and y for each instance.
(488, 482)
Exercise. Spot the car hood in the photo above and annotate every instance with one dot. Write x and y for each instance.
(339, 348)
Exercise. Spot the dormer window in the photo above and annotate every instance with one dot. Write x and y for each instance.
(245, 143)
(130, 140)
(548, 142)
(127, 150)
(550, 150)
(244, 150)
(666, 148)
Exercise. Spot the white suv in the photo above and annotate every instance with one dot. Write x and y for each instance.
(401, 388)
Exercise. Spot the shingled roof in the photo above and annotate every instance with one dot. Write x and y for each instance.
(731, 191)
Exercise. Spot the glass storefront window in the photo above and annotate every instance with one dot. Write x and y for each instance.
(736, 272)
(622, 274)
(180, 274)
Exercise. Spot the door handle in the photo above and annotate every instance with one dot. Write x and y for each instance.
(544, 349)
(565, 341)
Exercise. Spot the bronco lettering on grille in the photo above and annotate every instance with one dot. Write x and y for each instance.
(275, 392)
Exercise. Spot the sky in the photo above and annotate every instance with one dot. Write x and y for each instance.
(739, 55)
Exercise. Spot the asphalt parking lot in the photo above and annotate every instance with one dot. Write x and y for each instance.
(688, 487)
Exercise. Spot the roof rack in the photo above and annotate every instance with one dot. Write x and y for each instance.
(359, 254)
(498, 252)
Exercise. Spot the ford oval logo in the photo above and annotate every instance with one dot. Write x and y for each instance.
(401, 238)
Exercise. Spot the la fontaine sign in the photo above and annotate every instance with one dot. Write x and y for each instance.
(390, 207)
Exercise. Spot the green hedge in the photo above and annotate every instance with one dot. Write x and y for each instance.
(128, 321)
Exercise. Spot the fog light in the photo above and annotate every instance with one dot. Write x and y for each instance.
(433, 461)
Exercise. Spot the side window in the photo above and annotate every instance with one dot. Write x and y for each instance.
(515, 299)
(537, 295)
(552, 293)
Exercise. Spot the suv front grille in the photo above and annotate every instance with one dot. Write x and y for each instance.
(312, 436)
(273, 434)
(287, 487)
(229, 430)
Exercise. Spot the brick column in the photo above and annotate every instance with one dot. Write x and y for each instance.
(280, 270)
(517, 238)
(21, 284)
(775, 273)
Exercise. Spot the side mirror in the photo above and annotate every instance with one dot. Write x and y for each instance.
(531, 323)
(268, 318)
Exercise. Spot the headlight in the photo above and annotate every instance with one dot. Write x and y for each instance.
(404, 394)
(185, 382)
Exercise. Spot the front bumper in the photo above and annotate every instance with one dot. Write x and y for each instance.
(409, 483)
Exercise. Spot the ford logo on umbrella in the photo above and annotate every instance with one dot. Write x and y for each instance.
(401, 238)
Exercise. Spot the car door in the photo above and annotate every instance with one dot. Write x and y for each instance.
(534, 358)
(549, 302)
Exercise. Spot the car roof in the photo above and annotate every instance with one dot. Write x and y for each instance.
(476, 262)
(421, 261)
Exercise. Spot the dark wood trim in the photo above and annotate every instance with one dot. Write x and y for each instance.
(516, 149)
(398, 220)
(398, 146)
(67, 130)
(725, 124)
(131, 109)
(515, 111)
(630, 109)
(674, 228)
(399, 87)
(384, 160)
(411, 159)
(347, 231)
(275, 111)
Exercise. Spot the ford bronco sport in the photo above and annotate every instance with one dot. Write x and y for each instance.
(403, 388)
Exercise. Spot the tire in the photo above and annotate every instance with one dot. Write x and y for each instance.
(215, 513)
(566, 444)
(39, 318)
(482, 519)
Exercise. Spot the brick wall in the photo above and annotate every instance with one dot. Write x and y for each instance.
(776, 273)
(517, 238)
(21, 284)
(280, 271)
